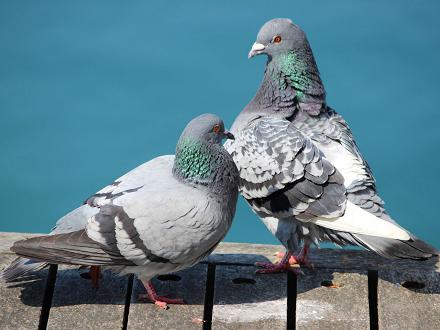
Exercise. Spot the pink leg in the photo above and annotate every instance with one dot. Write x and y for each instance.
(280, 267)
(95, 274)
(159, 301)
(303, 256)
(301, 259)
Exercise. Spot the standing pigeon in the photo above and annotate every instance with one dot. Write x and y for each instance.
(300, 168)
(163, 216)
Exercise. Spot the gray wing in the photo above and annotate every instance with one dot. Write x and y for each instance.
(330, 131)
(113, 237)
(283, 174)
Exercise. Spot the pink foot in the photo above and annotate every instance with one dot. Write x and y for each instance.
(280, 267)
(301, 259)
(292, 260)
(161, 302)
(270, 268)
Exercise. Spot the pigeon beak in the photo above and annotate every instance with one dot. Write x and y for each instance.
(229, 135)
(256, 49)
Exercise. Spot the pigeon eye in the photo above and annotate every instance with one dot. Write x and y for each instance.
(216, 128)
(277, 39)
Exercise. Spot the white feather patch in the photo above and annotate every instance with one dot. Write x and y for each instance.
(351, 168)
(356, 220)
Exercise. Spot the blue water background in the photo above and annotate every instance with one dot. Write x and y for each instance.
(91, 89)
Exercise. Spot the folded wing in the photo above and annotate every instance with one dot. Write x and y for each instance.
(284, 175)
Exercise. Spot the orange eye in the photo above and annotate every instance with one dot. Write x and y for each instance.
(216, 128)
(277, 39)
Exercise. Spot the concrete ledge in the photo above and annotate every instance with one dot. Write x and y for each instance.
(346, 290)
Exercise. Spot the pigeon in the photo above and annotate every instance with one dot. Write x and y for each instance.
(300, 169)
(163, 216)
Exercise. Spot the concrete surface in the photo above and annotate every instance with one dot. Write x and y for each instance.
(333, 295)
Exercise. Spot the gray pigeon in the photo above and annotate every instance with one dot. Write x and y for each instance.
(300, 168)
(163, 216)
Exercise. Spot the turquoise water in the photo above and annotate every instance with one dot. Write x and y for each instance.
(89, 90)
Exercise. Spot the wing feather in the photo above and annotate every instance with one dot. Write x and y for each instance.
(283, 174)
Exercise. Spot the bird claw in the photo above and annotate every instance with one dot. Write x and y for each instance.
(302, 259)
(266, 265)
(161, 302)
(299, 260)
(270, 268)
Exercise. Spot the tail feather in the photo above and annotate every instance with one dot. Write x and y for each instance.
(74, 248)
(20, 267)
(358, 221)
(413, 248)
(391, 248)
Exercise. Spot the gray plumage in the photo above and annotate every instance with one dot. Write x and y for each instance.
(165, 215)
(298, 161)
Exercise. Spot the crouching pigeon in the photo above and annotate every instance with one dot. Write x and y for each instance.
(300, 168)
(163, 216)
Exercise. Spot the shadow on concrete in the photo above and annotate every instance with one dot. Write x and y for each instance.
(236, 281)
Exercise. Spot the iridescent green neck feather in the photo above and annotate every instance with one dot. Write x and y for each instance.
(194, 161)
(297, 73)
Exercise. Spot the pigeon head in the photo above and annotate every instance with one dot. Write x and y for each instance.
(278, 36)
(206, 128)
(199, 153)
(291, 79)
